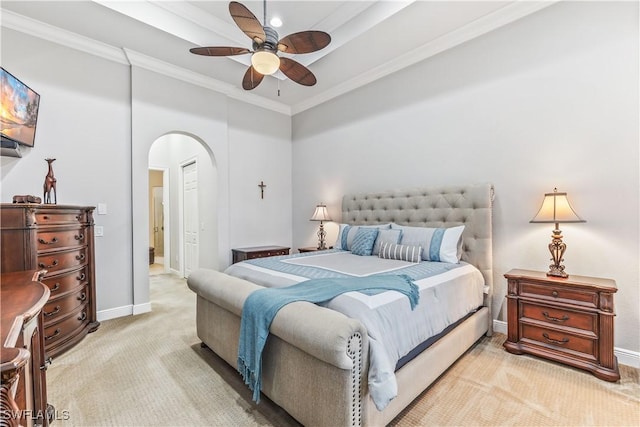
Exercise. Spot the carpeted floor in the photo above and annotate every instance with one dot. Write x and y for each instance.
(149, 370)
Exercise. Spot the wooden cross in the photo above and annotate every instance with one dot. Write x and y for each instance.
(262, 185)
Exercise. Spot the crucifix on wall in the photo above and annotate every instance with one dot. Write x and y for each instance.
(262, 186)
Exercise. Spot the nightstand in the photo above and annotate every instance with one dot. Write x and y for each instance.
(567, 320)
(242, 254)
(311, 249)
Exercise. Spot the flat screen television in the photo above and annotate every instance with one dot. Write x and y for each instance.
(19, 112)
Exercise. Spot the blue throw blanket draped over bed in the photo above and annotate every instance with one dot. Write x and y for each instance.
(261, 307)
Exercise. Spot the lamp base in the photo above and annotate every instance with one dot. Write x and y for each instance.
(557, 249)
(557, 271)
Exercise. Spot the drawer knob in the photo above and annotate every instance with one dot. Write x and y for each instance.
(47, 362)
(80, 257)
(563, 341)
(82, 276)
(82, 297)
(79, 236)
(51, 242)
(554, 294)
(564, 318)
(83, 316)
(51, 313)
(55, 334)
(53, 264)
(55, 287)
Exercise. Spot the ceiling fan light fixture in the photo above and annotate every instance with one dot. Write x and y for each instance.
(265, 62)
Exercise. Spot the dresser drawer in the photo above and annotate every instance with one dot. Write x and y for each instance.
(63, 283)
(560, 340)
(58, 308)
(62, 260)
(560, 317)
(60, 238)
(60, 217)
(66, 328)
(559, 294)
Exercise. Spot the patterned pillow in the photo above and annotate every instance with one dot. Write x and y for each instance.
(347, 232)
(400, 252)
(363, 241)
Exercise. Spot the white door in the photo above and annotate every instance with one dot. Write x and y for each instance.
(190, 215)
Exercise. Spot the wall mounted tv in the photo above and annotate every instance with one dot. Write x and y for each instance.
(19, 112)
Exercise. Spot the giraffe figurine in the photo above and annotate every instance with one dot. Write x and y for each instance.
(50, 184)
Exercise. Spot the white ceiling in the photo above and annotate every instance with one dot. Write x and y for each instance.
(370, 39)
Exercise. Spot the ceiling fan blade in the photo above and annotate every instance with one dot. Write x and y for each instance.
(247, 21)
(304, 42)
(251, 79)
(297, 72)
(219, 51)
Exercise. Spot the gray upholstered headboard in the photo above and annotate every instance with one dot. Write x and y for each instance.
(448, 206)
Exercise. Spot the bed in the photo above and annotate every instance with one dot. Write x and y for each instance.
(315, 341)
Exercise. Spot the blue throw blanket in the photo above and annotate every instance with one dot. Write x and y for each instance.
(261, 307)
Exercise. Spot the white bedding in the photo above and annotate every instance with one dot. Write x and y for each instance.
(448, 292)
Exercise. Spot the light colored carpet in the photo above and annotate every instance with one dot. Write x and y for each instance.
(149, 370)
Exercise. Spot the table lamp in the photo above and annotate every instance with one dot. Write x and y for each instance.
(556, 209)
(321, 214)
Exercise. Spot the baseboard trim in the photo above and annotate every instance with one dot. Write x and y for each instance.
(114, 313)
(142, 308)
(625, 357)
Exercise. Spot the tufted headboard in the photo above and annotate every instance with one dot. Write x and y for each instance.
(448, 206)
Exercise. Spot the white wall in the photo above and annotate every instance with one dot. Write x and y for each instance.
(99, 119)
(83, 122)
(550, 100)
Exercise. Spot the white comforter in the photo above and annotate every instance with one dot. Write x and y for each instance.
(448, 292)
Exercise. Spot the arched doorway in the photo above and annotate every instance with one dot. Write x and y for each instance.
(188, 189)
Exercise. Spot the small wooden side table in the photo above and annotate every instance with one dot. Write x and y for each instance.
(567, 320)
(311, 249)
(242, 254)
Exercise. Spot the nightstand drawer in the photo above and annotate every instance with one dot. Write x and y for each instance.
(559, 317)
(559, 294)
(243, 254)
(559, 340)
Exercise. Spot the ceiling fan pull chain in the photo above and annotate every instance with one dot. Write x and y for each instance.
(278, 87)
(264, 18)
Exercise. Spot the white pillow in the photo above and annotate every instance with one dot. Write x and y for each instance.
(439, 244)
(386, 236)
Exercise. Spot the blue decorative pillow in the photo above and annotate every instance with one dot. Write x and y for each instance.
(363, 241)
(439, 244)
(347, 232)
(400, 252)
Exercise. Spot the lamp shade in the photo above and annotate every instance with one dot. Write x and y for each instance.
(321, 213)
(265, 62)
(556, 209)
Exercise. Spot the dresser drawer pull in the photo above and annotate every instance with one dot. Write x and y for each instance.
(55, 334)
(51, 313)
(564, 318)
(53, 264)
(563, 341)
(45, 217)
(47, 362)
(79, 237)
(83, 316)
(80, 257)
(44, 242)
(55, 287)
(554, 294)
(81, 277)
(82, 297)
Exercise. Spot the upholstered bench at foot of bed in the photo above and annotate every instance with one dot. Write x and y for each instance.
(314, 358)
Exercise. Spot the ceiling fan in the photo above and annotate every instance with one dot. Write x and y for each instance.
(264, 58)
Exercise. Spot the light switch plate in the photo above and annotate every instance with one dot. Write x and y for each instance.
(98, 231)
(102, 208)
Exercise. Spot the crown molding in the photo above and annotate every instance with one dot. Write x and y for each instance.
(477, 28)
(161, 67)
(57, 35)
(125, 56)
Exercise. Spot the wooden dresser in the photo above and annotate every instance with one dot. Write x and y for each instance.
(23, 363)
(568, 320)
(58, 239)
(242, 254)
